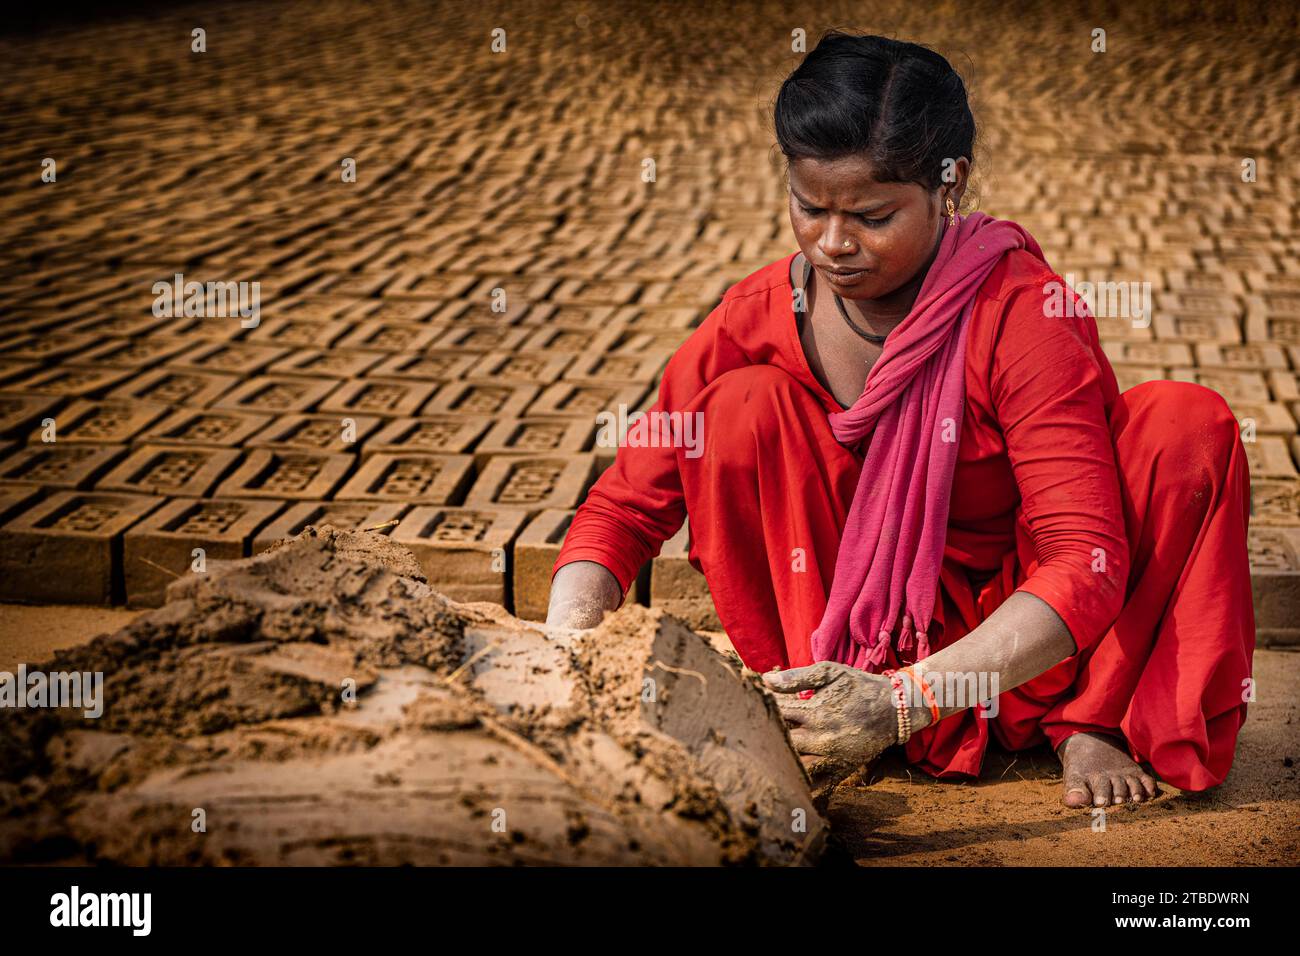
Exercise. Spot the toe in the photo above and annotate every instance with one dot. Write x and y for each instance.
(1077, 793)
(1135, 792)
(1118, 789)
(1101, 789)
(1149, 786)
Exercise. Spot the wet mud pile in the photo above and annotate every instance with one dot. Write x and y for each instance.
(321, 704)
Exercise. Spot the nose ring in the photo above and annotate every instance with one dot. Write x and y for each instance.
(847, 243)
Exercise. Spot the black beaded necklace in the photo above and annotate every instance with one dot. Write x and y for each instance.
(869, 336)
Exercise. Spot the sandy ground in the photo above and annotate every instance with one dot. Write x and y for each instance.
(29, 634)
(1010, 816)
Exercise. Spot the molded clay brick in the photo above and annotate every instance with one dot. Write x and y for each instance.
(1195, 328)
(664, 340)
(1232, 384)
(703, 292)
(160, 548)
(1131, 376)
(15, 498)
(68, 548)
(177, 386)
(549, 338)
(241, 358)
(197, 328)
(1268, 457)
(59, 466)
(319, 308)
(1269, 418)
(19, 412)
(1274, 501)
(72, 380)
(317, 432)
(218, 428)
(513, 368)
(406, 311)
(465, 552)
(596, 292)
(410, 477)
(131, 353)
(1253, 356)
(278, 394)
(535, 553)
(480, 337)
(1275, 583)
(378, 397)
(1165, 354)
(183, 472)
(349, 515)
(362, 285)
(443, 435)
(643, 318)
(1283, 331)
(678, 588)
(441, 365)
(105, 422)
(585, 400)
(49, 347)
(532, 436)
(533, 482)
(481, 398)
(617, 369)
(1117, 328)
(391, 336)
(122, 326)
(304, 334)
(13, 370)
(435, 287)
(330, 363)
(593, 318)
(1285, 386)
(275, 473)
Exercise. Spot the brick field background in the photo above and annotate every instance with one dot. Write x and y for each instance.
(437, 337)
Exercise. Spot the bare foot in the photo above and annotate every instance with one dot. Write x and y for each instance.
(1099, 772)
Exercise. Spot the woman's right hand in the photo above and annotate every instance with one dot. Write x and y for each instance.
(581, 593)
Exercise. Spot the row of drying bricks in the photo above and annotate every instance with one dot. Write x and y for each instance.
(90, 523)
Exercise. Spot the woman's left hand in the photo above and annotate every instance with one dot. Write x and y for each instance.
(848, 720)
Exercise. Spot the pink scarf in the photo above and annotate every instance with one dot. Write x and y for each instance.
(914, 398)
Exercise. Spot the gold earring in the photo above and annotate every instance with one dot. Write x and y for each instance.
(952, 211)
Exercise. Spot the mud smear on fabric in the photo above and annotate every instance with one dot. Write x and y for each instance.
(320, 703)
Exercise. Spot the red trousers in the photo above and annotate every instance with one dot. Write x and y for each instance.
(1172, 672)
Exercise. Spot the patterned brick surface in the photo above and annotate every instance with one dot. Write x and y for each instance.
(500, 272)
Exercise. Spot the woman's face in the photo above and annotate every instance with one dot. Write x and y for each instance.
(891, 229)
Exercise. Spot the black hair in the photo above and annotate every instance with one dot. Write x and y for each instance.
(900, 103)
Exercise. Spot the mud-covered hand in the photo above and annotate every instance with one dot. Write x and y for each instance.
(847, 720)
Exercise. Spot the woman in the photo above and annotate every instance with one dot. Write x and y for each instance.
(917, 472)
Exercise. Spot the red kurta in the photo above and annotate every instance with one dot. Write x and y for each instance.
(1126, 513)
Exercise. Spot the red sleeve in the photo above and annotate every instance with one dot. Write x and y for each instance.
(637, 504)
(1048, 398)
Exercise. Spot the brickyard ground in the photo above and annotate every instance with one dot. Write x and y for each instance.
(438, 334)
